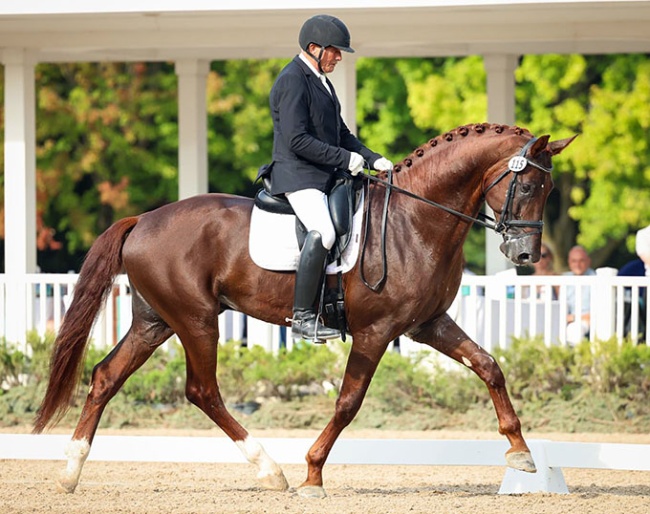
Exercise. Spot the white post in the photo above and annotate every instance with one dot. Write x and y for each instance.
(192, 127)
(20, 186)
(344, 79)
(501, 109)
(603, 305)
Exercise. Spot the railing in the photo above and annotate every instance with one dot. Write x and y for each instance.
(550, 456)
(491, 310)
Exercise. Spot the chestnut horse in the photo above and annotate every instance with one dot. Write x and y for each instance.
(188, 261)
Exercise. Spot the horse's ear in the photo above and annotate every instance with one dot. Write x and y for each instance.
(540, 145)
(557, 146)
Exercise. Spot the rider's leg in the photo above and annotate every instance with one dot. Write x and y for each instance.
(310, 205)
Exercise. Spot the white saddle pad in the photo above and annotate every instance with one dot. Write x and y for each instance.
(273, 244)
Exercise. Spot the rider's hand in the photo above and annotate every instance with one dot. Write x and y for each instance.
(356, 163)
(382, 164)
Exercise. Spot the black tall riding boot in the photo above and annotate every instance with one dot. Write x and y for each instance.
(305, 323)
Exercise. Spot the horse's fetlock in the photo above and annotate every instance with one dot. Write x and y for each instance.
(510, 427)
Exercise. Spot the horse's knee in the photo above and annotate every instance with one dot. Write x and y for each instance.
(194, 394)
(487, 369)
(347, 408)
(202, 397)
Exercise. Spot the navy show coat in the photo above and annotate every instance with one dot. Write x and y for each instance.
(310, 139)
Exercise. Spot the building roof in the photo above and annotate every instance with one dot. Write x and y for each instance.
(69, 30)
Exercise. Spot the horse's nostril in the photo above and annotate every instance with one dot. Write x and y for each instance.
(524, 258)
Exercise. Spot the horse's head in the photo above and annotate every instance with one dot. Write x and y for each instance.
(516, 188)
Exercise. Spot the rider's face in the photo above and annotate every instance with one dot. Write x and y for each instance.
(330, 58)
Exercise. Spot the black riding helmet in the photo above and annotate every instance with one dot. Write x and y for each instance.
(324, 30)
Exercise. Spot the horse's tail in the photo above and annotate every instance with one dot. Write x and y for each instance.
(102, 263)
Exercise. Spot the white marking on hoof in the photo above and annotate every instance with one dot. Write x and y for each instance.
(467, 362)
(523, 461)
(77, 452)
(311, 491)
(269, 474)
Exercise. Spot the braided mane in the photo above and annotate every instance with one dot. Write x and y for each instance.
(459, 132)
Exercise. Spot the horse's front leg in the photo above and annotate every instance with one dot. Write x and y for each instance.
(359, 371)
(447, 337)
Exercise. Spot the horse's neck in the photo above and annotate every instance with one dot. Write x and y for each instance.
(445, 178)
(452, 179)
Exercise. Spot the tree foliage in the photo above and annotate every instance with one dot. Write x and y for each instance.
(602, 193)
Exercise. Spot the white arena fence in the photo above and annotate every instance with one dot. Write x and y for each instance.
(550, 456)
(491, 309)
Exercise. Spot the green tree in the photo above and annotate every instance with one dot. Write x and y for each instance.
(106, 146)
(602, 194)
(240, 128)
(440, 94)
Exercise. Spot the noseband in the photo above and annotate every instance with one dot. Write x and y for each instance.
(516, 165)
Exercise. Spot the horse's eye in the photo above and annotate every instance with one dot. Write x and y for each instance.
(526, 188)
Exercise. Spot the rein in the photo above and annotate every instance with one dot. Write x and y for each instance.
(516, 165)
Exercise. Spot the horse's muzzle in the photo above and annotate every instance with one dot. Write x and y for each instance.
(522, 248)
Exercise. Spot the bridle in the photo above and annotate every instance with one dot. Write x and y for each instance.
(516, 165)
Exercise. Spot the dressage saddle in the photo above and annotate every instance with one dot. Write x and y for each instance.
(343, 201)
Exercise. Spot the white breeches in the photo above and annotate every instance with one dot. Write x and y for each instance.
(311, 207)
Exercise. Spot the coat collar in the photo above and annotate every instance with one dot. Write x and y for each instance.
(312, 76)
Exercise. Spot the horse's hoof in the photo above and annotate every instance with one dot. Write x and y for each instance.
(523, 461)
(66, 486)
(274, 482)
(311, 491)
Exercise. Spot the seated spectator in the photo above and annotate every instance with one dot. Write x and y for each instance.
(578, 322)
(638, 268)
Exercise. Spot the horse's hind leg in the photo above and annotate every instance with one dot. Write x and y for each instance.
(448, 338)
(203, 391)
(144, 336)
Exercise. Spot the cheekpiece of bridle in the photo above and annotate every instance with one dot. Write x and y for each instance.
(516, 165)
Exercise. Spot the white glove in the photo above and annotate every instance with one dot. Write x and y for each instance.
(383, 164)
(356, 164)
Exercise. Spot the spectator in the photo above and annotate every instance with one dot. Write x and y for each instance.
(578, 323)
(544, 267)
(638, 267)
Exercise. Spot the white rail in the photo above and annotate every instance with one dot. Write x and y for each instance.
(550, 456)
(491, 309)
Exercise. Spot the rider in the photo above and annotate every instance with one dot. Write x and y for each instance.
(311, 142)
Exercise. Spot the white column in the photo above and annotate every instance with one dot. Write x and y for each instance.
(344, 79)
(501, 109)
(192, 127)
(20, 186)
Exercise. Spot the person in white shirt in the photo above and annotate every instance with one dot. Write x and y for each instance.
(578, 322)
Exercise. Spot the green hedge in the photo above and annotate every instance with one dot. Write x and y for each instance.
(602, 383)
